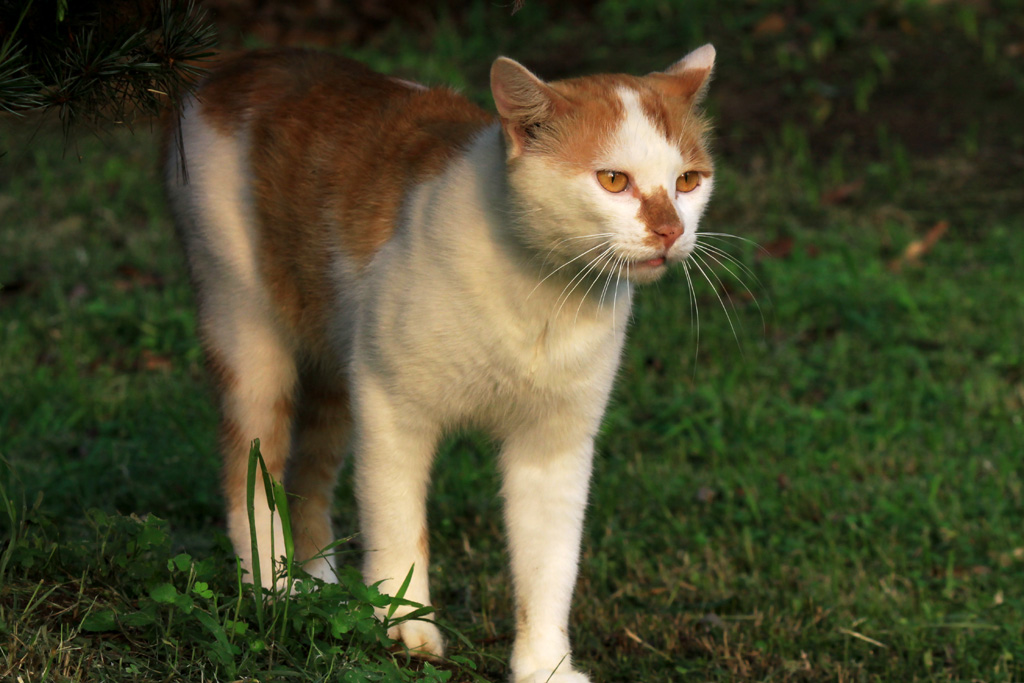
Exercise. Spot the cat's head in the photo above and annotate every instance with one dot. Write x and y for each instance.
(609, 171)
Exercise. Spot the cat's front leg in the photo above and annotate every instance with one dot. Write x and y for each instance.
(394, 451)
(546, 471)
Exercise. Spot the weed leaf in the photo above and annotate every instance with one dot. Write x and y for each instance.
(164, 593)
(104, 620)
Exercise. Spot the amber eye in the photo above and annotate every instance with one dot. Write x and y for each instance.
(688, 181)
(613, 181)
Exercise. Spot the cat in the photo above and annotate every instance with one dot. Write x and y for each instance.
(377, 263)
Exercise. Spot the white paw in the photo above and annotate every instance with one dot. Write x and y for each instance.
(321, 568)
(547, 676)
(421, 637)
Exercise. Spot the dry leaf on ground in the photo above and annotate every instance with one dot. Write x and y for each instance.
(918, 248)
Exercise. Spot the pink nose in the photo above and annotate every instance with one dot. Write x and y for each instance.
(669, 233)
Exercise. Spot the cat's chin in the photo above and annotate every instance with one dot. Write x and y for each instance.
(643, 272)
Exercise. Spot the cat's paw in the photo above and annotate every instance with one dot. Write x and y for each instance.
(321, 568)
(423, 638)
(547, 676)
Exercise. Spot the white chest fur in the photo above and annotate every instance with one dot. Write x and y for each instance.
(455, 322)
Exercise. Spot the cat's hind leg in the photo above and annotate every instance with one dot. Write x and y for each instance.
(255, 372)
(322, 427)
(250, 354)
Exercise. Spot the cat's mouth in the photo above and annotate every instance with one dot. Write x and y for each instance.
(647, 270)
(650, 269)
(652, 263)
(661, 260)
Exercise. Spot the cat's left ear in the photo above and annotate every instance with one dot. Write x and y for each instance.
(689, 77)
(524, 102)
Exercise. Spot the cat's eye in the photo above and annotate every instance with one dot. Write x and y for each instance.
(613, 181)
(688, 181)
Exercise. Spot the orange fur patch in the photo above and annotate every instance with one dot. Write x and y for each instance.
(658, 214)
(322, 425)
(274, 436)
(424, 544)
(224, 378)
(335, 147)
(576, 133)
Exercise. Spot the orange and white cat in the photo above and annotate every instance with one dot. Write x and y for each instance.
(377, 264)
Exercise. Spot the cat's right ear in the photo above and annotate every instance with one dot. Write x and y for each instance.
(690, 75)
(523, 102)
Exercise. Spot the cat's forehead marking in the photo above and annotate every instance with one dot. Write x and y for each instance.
(676, 119)
(639, 148)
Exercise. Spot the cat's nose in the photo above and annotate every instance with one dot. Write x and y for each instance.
(669, 233)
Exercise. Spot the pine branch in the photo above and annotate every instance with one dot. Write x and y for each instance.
(100, 61)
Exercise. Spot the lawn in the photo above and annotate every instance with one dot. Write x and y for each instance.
(812, 468)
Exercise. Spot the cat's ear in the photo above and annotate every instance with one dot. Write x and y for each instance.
(524, 102)
(691, 74)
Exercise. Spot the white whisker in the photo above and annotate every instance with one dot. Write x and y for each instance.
(575, 282)
(720, 235)
(697, 262)
(721, 252)
(715, 253)
(562, 241)
(694, 314)
(721, 285)
(627, 289)
(579, 256)
(607, 281)
(614, 299)
(609, 255)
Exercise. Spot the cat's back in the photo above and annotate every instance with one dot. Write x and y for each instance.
(282, 94)
(296, 156)
(253, 85)
(301, 96)
(325, 132)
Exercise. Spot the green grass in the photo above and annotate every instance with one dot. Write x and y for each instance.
(835, 493)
